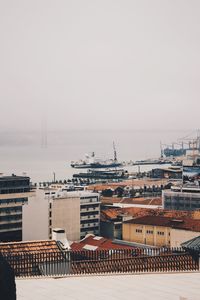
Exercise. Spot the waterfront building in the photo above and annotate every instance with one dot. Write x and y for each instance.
(78, 213)
(14, 193)
(186, 197)
(160, 231)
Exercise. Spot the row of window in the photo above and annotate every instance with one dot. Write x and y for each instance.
(89, 213)
(93, 228)
(89, 197)
(89, 207)
(9, 210)
(14, 190)
(14, 200)
(10, 218)
(160, 233)
(13, 183)
(150, 232)
(89, 221)
(10, 226)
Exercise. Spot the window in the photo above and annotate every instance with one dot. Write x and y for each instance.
(149, 231)
(138, 230)
(160, 233)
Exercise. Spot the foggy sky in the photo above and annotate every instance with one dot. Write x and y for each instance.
(97, 64)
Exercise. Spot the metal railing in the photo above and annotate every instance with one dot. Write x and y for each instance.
(60, 263)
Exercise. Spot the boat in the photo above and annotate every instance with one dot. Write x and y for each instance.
(151, 162)
(103, 174)
(91, 162)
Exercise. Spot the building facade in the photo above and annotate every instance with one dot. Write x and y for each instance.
(78, 213)
(160, 231)
(14, 193)
(181, 198)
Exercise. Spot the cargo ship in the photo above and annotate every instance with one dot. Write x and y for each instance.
(91, 162)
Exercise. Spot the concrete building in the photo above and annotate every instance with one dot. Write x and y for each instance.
(160, 231)
(14, 193)
(185, 197)
(36, 221)
(78, 213)
(36, 216)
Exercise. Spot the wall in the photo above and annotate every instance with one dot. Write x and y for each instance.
(131, 232)
(66, 215)
(35, 217)
(180, 236)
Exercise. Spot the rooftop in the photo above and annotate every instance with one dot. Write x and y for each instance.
(131, 182)
(181, 223)
(118, 287)
(140, 200)
(75, 194)
(111, 214)
(92, 242)
(192, 244)
(32, 246)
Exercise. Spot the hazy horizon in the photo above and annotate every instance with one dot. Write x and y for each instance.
(110, 64)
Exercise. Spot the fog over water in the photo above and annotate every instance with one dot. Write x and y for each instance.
(26, 152)
(109, 64)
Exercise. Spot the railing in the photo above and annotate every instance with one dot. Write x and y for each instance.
(60, 263)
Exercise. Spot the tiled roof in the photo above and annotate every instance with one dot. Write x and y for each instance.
(32, 246)
(183, 223)
(99, 242)
(111, 214)
(132, 182)
(141, 200)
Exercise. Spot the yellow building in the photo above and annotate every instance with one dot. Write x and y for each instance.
(160, 231)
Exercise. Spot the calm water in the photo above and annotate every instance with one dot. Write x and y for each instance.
(25, 152)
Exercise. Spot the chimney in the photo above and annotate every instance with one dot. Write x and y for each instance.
(58, 235)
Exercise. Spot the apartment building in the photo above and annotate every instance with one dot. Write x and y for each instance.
(14, 193)
(185, 197)
(160, 231)
(78, 213)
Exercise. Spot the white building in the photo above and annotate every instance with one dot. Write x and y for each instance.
(78, 213)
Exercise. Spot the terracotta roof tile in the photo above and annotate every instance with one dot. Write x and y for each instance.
(181, 223)
(32, 246)
(111, 214)
(100, 242)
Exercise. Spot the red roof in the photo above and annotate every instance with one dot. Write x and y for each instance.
(98, 242)
(179, 223)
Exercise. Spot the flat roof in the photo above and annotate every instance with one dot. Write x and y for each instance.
(141, 287)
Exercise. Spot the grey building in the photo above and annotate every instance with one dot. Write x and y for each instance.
(182, 198)
(14, 193)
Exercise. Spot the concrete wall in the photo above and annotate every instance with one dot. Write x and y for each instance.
(180, 236)
(66, 215)
(35, 217)
(146, 234)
